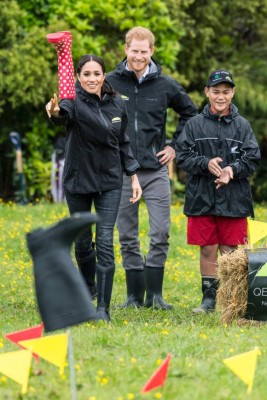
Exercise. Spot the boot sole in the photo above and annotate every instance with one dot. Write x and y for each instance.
(202, 311)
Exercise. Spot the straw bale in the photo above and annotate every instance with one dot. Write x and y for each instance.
(233, 290)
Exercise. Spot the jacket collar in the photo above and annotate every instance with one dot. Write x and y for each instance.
(93, 98)
(227, 118)
(154, 70)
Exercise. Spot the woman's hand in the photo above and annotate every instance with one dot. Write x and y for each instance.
(52, 107)
(137, 191)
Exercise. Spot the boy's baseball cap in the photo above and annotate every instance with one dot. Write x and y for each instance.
(220, 76)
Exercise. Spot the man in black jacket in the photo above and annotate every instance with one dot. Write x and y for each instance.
(147, 94)
(219, 151)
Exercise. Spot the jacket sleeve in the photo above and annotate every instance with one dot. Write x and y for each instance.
(129, 163)
(250, 156)
(182, 104)
(66, 113)
(186, 156)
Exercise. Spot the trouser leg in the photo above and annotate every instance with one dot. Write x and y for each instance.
(84, 247)
(156, 192)
(128, 227)
(132, 260)
(106, 205)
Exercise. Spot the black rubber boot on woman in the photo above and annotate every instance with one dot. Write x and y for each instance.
(105, 277)
(87, 268)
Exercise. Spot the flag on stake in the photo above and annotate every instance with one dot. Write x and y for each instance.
(26, 334)
(16, 365)
(257, 230)
(244, 365)
(52, 348)
(159, 376)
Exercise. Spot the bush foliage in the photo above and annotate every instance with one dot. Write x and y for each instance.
(193, 37)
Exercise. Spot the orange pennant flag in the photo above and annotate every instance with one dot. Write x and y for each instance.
(257, 230)
(25, 334)
(52, 348)
(244, 366)
(159, 376)
(16, 365)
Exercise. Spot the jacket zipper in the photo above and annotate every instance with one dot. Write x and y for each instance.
(135, 121)
(106, 124)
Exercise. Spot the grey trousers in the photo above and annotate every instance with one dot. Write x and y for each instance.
(157, 195)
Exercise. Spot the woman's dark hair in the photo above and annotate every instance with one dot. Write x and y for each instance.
(106, 88)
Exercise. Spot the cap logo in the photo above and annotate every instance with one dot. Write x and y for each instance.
(217, 76)
(228, 78)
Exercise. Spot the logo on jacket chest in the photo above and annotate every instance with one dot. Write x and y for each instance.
(234, 150)
(116, 120)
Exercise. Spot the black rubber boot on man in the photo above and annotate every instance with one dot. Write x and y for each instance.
(135, 282)
(209, 290)
(154, 282)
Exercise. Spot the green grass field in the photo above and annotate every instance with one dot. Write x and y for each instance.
(114, 361)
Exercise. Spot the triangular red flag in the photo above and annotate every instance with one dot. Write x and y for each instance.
(26, 334)
(159, 376)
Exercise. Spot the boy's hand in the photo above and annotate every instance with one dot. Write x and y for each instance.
(225, 177)
(214, 166)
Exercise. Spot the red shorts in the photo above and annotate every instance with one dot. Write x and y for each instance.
(208, 230)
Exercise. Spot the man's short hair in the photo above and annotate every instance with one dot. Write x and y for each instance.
(140, 33)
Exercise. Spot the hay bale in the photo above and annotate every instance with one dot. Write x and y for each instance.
(232, 294)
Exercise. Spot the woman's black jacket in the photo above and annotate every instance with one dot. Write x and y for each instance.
(97, 148)
(207, 136)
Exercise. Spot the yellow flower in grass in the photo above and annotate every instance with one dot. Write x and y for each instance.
(130, 396)
(202, 336)
(232, 350)
(159, 361)
(133, 360)
(104, 381)
(77, 367)
(92, 398)
(1, 343)
(100, 372)
(3, 379)
(158, 395)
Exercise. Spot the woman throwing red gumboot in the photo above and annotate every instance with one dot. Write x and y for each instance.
(97, 153)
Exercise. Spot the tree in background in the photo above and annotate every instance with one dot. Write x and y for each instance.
(193, 37)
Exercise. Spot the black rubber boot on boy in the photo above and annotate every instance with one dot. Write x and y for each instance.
(105, 277)
(209, 290)
(154, 282)
(87, 268)
(62, 295)
(135, 282)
